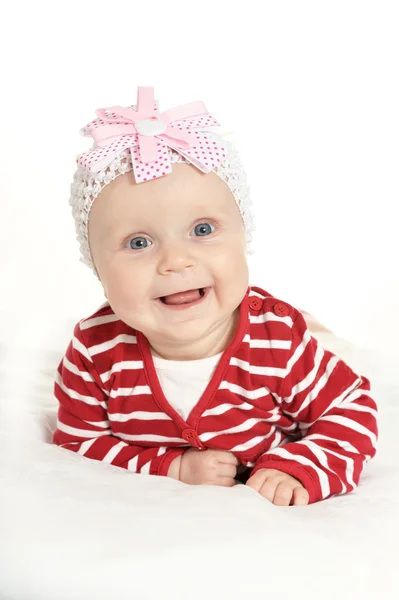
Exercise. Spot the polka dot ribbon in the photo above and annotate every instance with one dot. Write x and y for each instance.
(148, 134)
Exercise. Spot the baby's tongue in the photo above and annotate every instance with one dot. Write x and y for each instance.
(182, 297)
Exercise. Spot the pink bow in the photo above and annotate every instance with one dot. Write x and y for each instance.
(148, 133)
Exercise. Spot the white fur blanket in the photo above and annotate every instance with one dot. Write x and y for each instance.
(75, 529)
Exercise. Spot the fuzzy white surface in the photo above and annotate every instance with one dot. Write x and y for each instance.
(73, 529)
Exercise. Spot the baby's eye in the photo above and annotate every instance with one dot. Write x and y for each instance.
(138, 243)
(203, 229)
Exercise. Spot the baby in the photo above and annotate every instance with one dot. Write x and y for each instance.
(187, 371)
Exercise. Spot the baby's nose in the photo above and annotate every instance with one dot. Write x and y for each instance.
(176, 258)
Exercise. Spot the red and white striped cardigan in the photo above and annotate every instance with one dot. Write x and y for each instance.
(277, 399)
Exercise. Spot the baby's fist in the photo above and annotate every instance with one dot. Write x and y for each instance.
(209, 467)
(279, 488)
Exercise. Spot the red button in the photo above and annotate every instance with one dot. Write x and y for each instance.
(255, 303)
(281, 309)
(191, 436)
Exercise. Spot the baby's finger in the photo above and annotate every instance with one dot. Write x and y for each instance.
(300, 497)
(227, 457)
(283, 494)
(268, 489)
(256, 481)
(227, 470)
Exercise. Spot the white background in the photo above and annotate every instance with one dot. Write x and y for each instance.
(310, 89)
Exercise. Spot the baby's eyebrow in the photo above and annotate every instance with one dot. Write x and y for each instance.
(109, 228)
(119, 226)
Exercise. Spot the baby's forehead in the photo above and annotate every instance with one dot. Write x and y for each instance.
(184, 194)
(185, 185)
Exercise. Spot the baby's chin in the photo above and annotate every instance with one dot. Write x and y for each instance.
(178, 327)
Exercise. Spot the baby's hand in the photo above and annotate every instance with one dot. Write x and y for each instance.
(279, 488)
(211, 467)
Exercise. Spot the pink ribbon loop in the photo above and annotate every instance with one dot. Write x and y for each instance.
(184, 112)
(148, 134)
(101, 134)
(148, 148)
(145, 102)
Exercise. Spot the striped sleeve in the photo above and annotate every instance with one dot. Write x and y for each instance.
(336, 418)
(83, 425)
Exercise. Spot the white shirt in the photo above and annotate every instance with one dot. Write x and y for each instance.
(184, 381)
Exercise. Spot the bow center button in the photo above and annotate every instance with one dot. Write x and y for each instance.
(151, 126)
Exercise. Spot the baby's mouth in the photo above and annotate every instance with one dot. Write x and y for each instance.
(186, 297)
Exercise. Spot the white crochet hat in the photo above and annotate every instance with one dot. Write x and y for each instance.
(165, 139)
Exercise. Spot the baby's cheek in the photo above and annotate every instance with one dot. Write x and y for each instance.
(235, 268)
(124, 294)
(233, 281)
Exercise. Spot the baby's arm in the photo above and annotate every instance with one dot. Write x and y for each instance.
(336, 417)
(83, 424)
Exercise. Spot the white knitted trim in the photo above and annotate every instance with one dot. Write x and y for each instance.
(87, 186)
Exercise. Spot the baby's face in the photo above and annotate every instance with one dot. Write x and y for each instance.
(180, 232)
